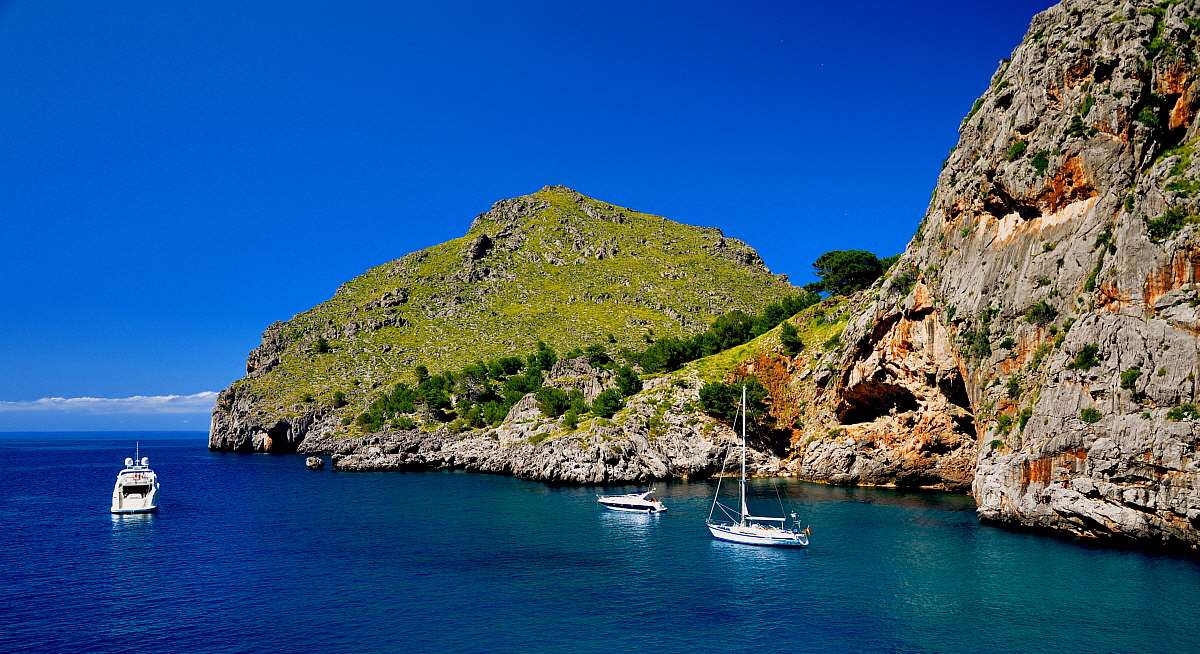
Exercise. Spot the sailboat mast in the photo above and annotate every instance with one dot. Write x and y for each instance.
(744, 511)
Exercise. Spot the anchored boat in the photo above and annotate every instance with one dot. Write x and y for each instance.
(639, 502)
(752, 529)
(136, 490)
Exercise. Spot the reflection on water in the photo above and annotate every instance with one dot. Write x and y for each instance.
(132, 522)
(753, 557)
(627, 524)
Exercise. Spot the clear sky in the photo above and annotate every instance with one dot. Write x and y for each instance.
(175, 176)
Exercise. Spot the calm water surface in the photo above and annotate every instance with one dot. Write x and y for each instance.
(254, 553)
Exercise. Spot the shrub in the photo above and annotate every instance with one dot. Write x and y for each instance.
(843, 272)
(1041, 313)
(543, 359)
(1015, 150)
(789, 339)
(1090, 415)
(997, 444)
(1183, 412)
(1023, 420)
(1004, 422)
(977, 344)
(1076, 128)
(723, 401)
(494, 412)
(903, 282)
(1038, 355)
(571, 420)
(1087, 105)
(1172, 220)
(504, 367)
(1007, 344)
(1014, 386)
(1085, 359)
(597, 356)
(575, 401)
(1148, 116)
(405, 422)
(552, 402)
(1129, 378)
(974, 108)
(607, 403)
(321, 346)
(628, 381)
(1040, 162)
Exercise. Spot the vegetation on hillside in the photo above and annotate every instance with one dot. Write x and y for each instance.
(553, 266)
(730, 330)
(843, 272)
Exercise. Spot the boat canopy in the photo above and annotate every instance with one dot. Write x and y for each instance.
(760, 518)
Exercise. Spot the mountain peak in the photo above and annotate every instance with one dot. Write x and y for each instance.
(553, 266)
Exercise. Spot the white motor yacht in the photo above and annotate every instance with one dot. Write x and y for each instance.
(136, 490)
(639, 502)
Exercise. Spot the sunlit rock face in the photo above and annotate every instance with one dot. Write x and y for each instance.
(1049, 293)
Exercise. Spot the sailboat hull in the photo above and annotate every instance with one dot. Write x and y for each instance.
(752, 535)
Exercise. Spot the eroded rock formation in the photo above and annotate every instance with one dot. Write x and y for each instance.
(1056, 303)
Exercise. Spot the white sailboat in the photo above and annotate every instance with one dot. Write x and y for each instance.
(752, 529)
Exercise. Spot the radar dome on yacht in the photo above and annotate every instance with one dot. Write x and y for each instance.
(145, 460)
(128, 462)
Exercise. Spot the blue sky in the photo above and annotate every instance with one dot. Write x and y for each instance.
(176, 175)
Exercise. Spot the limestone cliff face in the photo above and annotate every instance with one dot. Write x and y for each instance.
(1050, 294)
(898, 413)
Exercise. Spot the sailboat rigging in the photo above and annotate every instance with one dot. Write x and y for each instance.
(751, 529)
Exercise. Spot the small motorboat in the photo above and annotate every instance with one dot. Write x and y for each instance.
(639, 502)
(136, 490)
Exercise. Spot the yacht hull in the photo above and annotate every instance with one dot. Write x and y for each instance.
(152, 509)
(633, 509)
(756, 536)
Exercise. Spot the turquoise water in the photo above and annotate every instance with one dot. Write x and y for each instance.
(254, 553)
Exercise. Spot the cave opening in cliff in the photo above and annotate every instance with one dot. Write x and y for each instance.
(955, 390)
(868, 402)
(1155, 112)
(1000, 203)
(277, 439)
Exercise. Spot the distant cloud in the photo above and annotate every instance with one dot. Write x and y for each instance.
(138, 404)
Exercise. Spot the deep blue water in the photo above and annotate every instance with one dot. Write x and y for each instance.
(255, 553)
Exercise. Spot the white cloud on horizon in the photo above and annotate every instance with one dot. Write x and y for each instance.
(141, 404)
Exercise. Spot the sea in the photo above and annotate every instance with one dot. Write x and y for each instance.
(256, 553)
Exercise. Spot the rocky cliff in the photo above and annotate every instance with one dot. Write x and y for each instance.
(553, 266)
(1037, 340)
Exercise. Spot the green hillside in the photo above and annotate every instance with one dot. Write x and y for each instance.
(553, 266)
